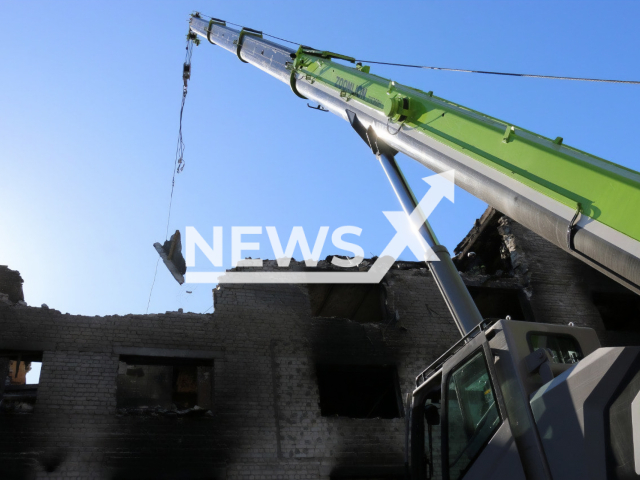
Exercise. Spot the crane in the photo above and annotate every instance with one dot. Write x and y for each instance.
(511, 399)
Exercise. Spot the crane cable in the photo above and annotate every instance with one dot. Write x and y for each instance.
(179, 163)
(462, 70)
(529, 75)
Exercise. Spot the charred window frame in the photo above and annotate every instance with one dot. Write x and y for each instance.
(164, 386)
(18, 392)
(359, 391)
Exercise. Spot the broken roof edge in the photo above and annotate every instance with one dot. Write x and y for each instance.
(324, 265)
(478, 228)
(11, 284)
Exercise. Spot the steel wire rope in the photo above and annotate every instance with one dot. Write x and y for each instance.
(463, 70)
(179, 163)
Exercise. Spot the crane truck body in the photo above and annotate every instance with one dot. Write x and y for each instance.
(510, 400)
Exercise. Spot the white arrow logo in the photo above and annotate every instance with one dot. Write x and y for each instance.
(407, 227)
(407, 236)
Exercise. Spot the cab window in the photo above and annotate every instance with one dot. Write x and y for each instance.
(472, 414)
(562, 348)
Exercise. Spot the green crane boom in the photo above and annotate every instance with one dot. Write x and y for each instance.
(515, 399)
(581, 203)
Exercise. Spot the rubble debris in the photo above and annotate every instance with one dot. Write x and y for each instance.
(483, 251)
(489, 250)
(10, 285)
(171, 254)
(159, 411)
(18, 399)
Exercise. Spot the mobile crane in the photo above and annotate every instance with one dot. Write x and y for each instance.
(510, 400)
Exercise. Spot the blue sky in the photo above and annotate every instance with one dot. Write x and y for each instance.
(89, 103)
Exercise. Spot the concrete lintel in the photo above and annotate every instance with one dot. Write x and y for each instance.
(217, 353)
(25, 345)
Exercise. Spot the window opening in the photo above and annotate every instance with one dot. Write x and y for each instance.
(21, 376)
(33, 375)
(497, 302)
(562, 348)
(619, 311)
(359, 391)
(359, 302)
(164, 385)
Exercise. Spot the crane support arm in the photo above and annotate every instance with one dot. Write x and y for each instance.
(579, 202)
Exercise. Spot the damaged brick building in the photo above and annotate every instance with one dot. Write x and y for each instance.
(281, 381)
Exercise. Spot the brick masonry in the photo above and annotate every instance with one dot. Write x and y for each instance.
(265, 343)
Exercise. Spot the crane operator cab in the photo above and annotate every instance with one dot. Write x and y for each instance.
(516, 397)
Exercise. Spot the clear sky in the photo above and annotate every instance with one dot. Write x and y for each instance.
(89, 102)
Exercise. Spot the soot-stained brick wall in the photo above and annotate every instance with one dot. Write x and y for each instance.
(265, 421)
(553, 286)
(563, 288)
(264, 342)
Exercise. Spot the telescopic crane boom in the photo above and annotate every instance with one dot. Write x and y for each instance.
(517, 400)
(577, 201)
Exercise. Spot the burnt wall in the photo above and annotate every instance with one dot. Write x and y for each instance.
(563, 289)
(265, 418)
(549, 284)
(261, 352)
